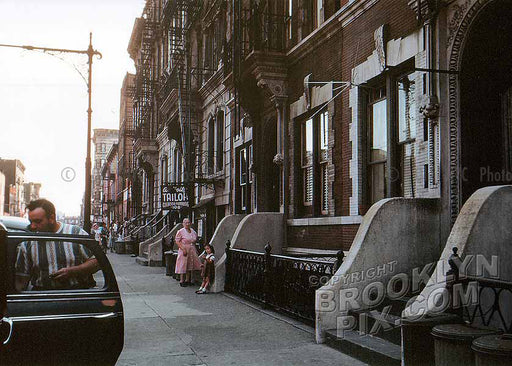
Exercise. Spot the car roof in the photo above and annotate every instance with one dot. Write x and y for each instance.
(14, 223)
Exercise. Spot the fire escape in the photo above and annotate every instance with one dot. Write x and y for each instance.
(185, 79)
(145, 80)
(145, 149)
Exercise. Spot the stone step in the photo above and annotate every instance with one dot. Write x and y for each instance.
(367, 348)
(379, 323)
(142, 261)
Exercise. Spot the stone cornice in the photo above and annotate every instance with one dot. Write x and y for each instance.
(211, 84)
(170, 102)
(162, 137)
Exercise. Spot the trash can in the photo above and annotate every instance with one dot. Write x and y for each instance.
(119, 247)
(170, 262)
(452, 343)
(494, 350)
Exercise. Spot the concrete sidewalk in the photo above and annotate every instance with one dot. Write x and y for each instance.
(166, 324)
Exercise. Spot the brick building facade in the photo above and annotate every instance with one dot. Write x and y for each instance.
(315, 109)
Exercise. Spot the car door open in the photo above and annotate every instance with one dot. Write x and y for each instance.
(63, 300)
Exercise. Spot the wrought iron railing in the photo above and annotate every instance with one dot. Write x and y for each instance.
(487, 301)
(285, 283)
(262, 31)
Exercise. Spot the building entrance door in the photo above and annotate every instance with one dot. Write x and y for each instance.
(486, 101)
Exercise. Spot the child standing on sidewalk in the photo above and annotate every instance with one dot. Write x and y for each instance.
(208, 268)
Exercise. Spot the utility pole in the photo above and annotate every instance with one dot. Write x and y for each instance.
(90, 52)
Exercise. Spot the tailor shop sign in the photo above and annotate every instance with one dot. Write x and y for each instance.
(174, 196)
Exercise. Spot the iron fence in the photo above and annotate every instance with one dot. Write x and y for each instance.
(487, 301)
(285, 283)
(262, 31)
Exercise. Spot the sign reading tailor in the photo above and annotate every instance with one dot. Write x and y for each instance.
(174, 196)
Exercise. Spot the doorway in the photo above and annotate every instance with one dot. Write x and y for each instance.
(486, 100)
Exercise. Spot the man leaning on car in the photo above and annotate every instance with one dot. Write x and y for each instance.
(50, 265)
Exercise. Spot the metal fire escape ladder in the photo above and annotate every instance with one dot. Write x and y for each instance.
(145, 83)
(181, 15)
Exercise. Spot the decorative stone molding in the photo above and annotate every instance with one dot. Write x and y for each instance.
(431, 107)
(458, 14)
(278, 159)
(379, 37)
(427, 10)
(455, 56)
(307, 91)
(277, 88)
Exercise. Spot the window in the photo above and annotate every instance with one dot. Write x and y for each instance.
(399, 161)
(378, 148)
(406, 90)
(406, 108)
(307, 161)
(164, 172)
(215, 143)
(38, 262)
(314, 162)
(211, 146)
(244, 178)
(324, 158)
(176, 165)
(219, 149)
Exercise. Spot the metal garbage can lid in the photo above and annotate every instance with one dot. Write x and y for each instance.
(494, 344)
(461, 332)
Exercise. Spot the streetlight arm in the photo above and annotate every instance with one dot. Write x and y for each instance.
(90, 52)
(48, 49)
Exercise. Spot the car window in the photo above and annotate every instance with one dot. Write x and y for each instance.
(41, 265)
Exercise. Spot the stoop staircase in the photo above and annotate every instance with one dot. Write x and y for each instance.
(151, 246)
(359, 310)
(375, 335)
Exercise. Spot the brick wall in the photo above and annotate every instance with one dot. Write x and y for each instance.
(329, 237)
(358, 44)
(334, 59)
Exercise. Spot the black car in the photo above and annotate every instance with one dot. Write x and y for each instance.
(69, 324)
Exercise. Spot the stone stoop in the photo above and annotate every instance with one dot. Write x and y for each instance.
(142, 261)
(367, 348)
(375, 348)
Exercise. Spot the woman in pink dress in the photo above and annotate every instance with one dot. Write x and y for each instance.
(187, 260)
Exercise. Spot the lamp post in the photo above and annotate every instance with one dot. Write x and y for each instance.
(90, 52)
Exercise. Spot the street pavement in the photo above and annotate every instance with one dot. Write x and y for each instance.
(166, 324)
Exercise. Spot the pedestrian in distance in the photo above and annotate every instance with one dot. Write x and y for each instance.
(187, 260)
(208, 268)
(103, 236)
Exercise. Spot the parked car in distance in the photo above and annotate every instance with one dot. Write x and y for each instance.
(50, 321)
(14, 223)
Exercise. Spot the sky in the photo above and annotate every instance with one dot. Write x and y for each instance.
(43, 98)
